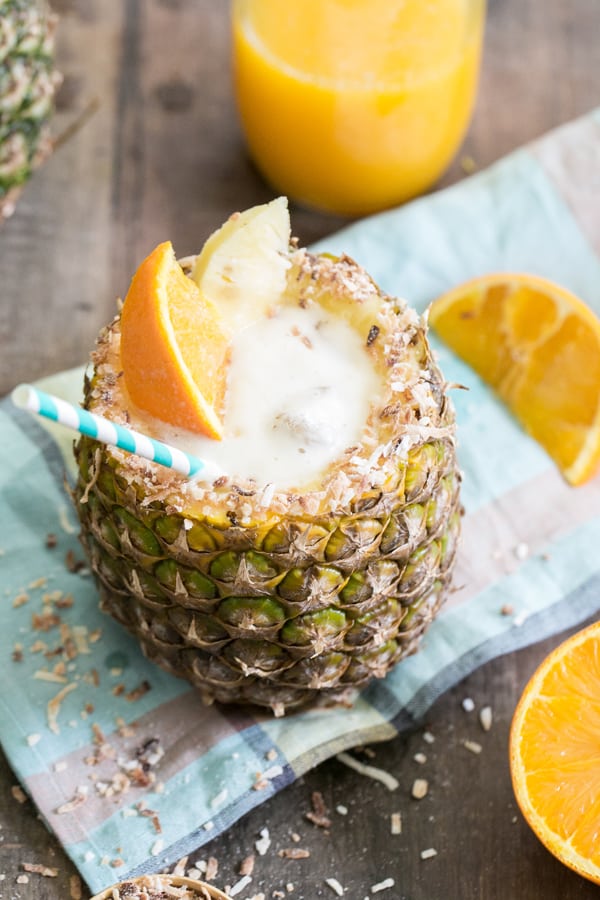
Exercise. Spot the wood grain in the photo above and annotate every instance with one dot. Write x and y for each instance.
(162, 156)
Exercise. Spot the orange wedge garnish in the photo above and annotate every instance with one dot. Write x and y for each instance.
(555, 752)
(538, 345)
(173, 348)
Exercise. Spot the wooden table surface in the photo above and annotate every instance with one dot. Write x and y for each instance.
(160, 156)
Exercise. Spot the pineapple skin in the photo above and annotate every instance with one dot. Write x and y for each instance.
(28, 83)
(277, 609)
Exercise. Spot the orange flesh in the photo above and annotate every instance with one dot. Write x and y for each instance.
(555, 752)
(174, 350)
(539, 346)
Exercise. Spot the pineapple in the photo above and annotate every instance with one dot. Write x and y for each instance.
(271, 596)
(28, 82)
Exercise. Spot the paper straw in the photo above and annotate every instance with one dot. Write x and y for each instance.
(25, 396)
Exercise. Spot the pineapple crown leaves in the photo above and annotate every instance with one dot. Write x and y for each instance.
(28, 83)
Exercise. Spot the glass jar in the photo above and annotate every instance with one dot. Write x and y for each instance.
(353, 106)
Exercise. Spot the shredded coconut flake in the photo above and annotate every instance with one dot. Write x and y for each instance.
(335, 886)
(382, 885)
(485, 717)
(373, 772)
(420, 788)
(263, 843)
(240, 885)
(157, 847)
(220, 798)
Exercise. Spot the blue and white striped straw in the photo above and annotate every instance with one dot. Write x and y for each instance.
(25, 396)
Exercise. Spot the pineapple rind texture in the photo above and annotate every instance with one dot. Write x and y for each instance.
(269, 605)
(28, 83)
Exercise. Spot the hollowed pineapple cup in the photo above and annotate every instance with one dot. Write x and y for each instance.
(272, 597)
(203, 890)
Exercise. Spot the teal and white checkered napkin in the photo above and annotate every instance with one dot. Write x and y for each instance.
(529, 542)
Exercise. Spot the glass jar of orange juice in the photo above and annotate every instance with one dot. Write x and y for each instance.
(355, 105)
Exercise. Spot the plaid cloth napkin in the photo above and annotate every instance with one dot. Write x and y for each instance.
(80, 735)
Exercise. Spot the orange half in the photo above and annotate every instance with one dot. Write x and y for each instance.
(555, 752)
(174, 351)
(538, 346)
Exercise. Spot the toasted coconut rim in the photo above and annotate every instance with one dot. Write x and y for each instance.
(412, 408)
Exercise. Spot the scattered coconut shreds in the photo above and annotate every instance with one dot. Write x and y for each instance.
(44, 621)
(45, 675)
(319, 813)
(38, 647)
(208, 826)
(295, 837)
(396, 823)
(485, 717)
(293, 853)
(468, 705)
(18, 793)
(240, 885)
(220, 798)
(33, 739)
(54, 706)
(335, 886)
(429, 853)
(472, 746)
(22, 879)
(212, 867)
(376, 774)
(157, 847)
(520, 618)
(80, 638)
(38, 869)
(75, 887)
(521, 551)
(78, 798)
(420, 788)
(138, 692)
(428, 737)
(383, 885)
(341, 809)
(263, 843)
(60, 766)
(271, 754)
(247, 865)
(38, 583)
(420, 758)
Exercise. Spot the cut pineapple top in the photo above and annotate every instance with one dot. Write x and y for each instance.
(329, 382)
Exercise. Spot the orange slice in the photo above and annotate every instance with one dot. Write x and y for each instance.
(538, 345)
(555, 752)
(174, 350)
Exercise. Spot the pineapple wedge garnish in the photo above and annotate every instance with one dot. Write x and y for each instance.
(243, 265)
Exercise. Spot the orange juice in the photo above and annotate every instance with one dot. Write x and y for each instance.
(355, 105)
